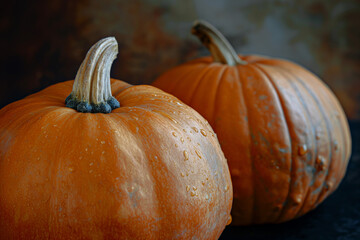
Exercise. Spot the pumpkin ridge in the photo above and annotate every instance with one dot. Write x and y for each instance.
(329, 135)
(221, 78)
(268, 78)
(326, 120)
(198, 80)
(308, 117)
(252, 216)
(179, 78)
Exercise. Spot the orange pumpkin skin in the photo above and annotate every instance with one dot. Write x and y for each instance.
(139, 172)
(283, 132)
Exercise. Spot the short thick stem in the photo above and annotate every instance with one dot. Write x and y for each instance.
(92, 90)
(221, 50)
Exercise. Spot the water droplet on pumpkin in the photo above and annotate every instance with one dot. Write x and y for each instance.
(195, 129)
(186, 155)
(182, 139)
(102, 142)
(297, 199)
(317, 136)
(277, 207)
(174, 134)
(229, 220)
(203, 132)
(194, 188)
(302, 150)
(176, 145)
(184, 130)
(117, 178)
(71, 169)
(320, 163)
(192, 193)
(187, 188)
(328, 185)
(206, 196)
(86, 149)
(189, 139)
(90, 164)
(182, 174)
(203, 183)
(226, 187)
(336, 145)
(198, 153)
(90, 171)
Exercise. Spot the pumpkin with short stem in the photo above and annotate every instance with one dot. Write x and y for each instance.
(282, 130)
(139, 165)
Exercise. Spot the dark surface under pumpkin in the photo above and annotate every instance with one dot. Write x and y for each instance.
(336, 218)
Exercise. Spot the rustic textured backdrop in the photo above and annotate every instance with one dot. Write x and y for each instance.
(44, 42)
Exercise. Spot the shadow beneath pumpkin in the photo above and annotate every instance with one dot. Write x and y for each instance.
(338, 217)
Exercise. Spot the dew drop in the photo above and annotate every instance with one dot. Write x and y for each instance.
(336, 145)
(320, 163)
(195, 129)
(198, 153)
(103, 152)
(192, 193)
(317, 136)
(328, 185)
(90, 164)
(174, 134)
(186, 155)
(71, 169)
(182, 139)
(203, 183)
(176, 145)
(226, 187)
(187, 188)
(203, 132)
(182, 174)
(302, 150)
(229, 220)
(297, 199)
(194, 188)
(189, 139)
(90, 171)
(86, 149)
(102, 142)
(206, 196)
(184, 130)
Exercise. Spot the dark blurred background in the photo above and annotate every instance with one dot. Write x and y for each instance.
(44, 42)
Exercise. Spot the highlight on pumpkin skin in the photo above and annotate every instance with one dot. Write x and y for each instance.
(220, 48)
(91, 90)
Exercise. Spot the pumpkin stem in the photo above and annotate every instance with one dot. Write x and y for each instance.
(92, 90)
(221, 50)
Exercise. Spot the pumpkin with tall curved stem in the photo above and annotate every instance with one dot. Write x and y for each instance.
(116, 162)
(283, 132)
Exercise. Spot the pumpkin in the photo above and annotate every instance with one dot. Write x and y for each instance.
(283, 132)
(116, 162)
